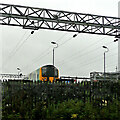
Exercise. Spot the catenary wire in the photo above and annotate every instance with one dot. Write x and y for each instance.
(17, 47)
(83, 54)
(91, 63)
(44, 53)
(98, 58)
(77, 54)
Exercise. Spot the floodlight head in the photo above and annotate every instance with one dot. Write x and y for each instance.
(105, 48)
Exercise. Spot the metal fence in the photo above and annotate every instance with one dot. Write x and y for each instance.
(19, 95)
(53, 92)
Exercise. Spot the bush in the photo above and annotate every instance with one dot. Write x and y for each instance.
(55, 101)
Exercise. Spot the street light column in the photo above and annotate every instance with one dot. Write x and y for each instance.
(54, 52)
(53, 56)
(104, 65)
(19, 70)
(104, 59)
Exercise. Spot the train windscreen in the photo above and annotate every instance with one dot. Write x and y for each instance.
(49, 71)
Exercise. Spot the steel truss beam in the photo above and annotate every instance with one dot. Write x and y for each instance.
(39, 18)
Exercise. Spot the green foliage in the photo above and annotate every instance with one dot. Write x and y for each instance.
(71, 109)
(76, 109)
(54, 101)
(64, 109)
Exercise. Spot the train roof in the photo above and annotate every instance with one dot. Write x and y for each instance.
(42, 67)
(48, 66)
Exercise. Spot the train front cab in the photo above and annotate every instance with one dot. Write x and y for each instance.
(48, 73)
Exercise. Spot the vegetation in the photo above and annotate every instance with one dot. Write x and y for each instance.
(58, 101)
(71, 109)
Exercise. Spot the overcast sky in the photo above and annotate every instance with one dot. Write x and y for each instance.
(77, 57)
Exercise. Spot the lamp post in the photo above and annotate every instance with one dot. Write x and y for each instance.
(54, 55)
(19, 70)
(104, 58)
(54, 50)
(116, 40)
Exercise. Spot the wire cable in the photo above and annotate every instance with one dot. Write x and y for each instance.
(83, 54)
(17, 47)
(44, 53)
(77, 54)
(84, 66)
(93, 61)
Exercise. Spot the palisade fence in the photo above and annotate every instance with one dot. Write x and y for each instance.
(16, 92)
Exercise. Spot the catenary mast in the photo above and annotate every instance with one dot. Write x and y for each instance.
(119, 40)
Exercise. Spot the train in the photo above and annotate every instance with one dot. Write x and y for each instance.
(45, 73)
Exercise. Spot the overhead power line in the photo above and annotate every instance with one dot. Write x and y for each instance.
(80, 53)
(44, 53)
(83, 66)
(18, 46)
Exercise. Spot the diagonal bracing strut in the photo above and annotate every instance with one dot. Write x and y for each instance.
(40, 18)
